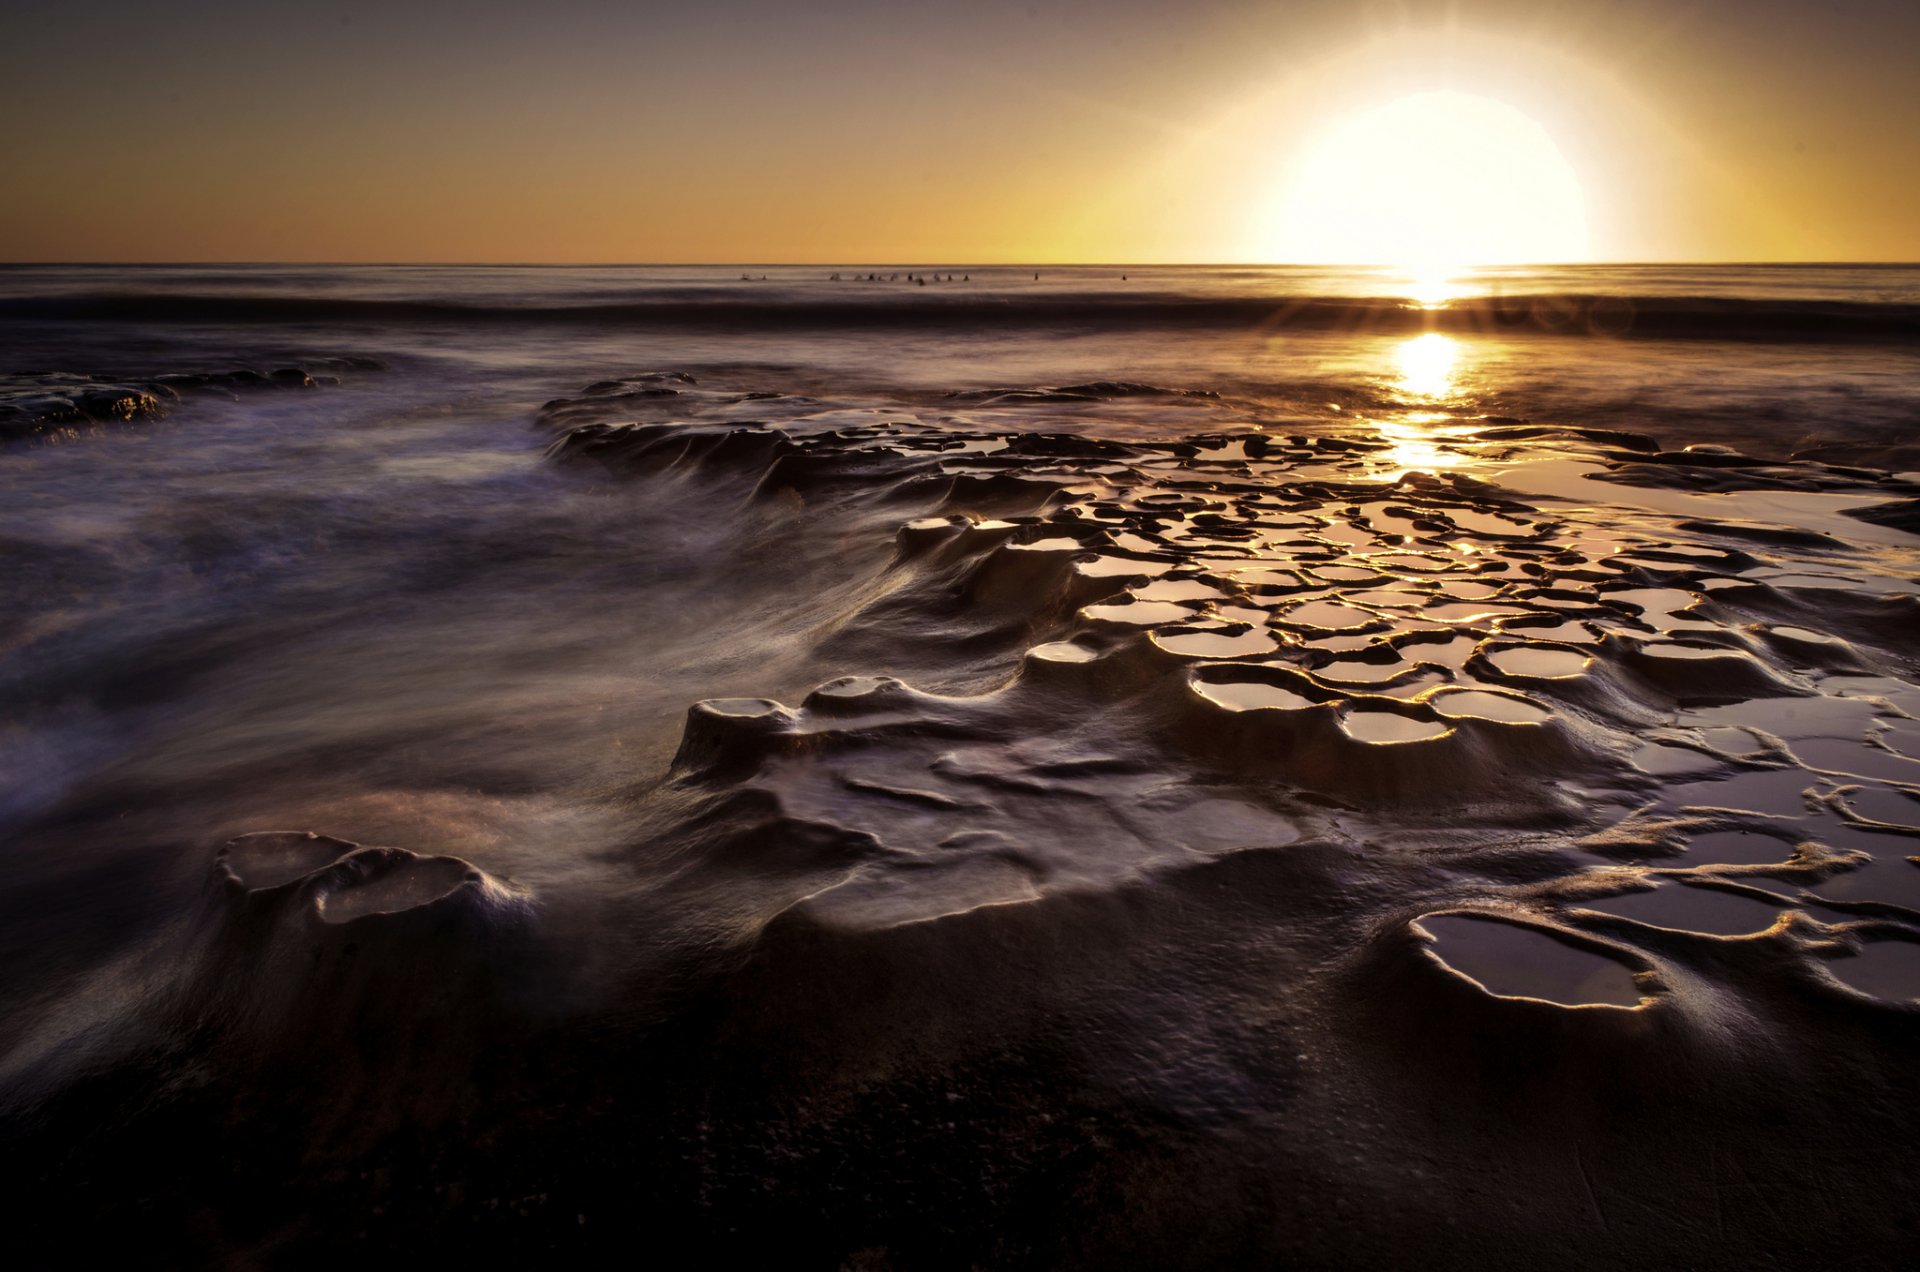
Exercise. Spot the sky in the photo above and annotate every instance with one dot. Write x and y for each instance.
(848, 131)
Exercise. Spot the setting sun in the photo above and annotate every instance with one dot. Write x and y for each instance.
(1432, 183)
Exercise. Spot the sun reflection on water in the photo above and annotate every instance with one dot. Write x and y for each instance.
(1429, 373)
(1427, 364)
(1415, 446)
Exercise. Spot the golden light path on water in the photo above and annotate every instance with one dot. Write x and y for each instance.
(1427, 371)
(1426, 364)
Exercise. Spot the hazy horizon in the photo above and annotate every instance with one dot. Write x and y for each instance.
(928, 262)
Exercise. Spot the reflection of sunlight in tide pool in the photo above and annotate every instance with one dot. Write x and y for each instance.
(1427, 364)
(1415, 446)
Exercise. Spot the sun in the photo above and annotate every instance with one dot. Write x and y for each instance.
(1432, 184)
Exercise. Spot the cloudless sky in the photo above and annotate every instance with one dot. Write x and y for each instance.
(970, 130)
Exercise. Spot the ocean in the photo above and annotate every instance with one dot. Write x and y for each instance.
(944, 765)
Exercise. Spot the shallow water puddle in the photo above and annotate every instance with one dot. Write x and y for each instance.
(1733, 741)
(1355, 672)
(1885, 806)
(1680, 653)
(1793, 717)
(1489, 524)
(1365, 725)
(1890, 878)
(1382, 517)
(1063, 651)
(1250, 695)
(1179, 590)
(1414, 562)
(1452, 652)
(742, 708)
(269, 859)
(1537, 663)
(1657, 606)
(1884, 969)
(1686, 908)
(1140, 613)
(1776, 792)
(1857, 759)
(1116, 566)
(1343, 574)
(1348, 535)
(1339, 644)
(1738, 848)
(1522, 962)
(1328, 616)
(1903, 736)
(406, 885)
(1413, 687)
(1480, 705)
(1470, 611)
(1216, 644)
(1268, 578)
(1386, 598)
(1806, 636)
(1672, 761)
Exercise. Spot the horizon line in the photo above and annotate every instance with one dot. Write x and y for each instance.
(955, 264)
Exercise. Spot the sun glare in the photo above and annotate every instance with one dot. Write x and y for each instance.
(1426, 364)
(1429, 371)
(1412, 447)
(1433, 184)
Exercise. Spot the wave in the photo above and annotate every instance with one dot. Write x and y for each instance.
(1547, 313)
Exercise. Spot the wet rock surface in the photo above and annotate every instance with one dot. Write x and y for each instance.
(51, 405)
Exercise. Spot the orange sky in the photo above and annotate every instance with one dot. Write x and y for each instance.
(858, 131)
